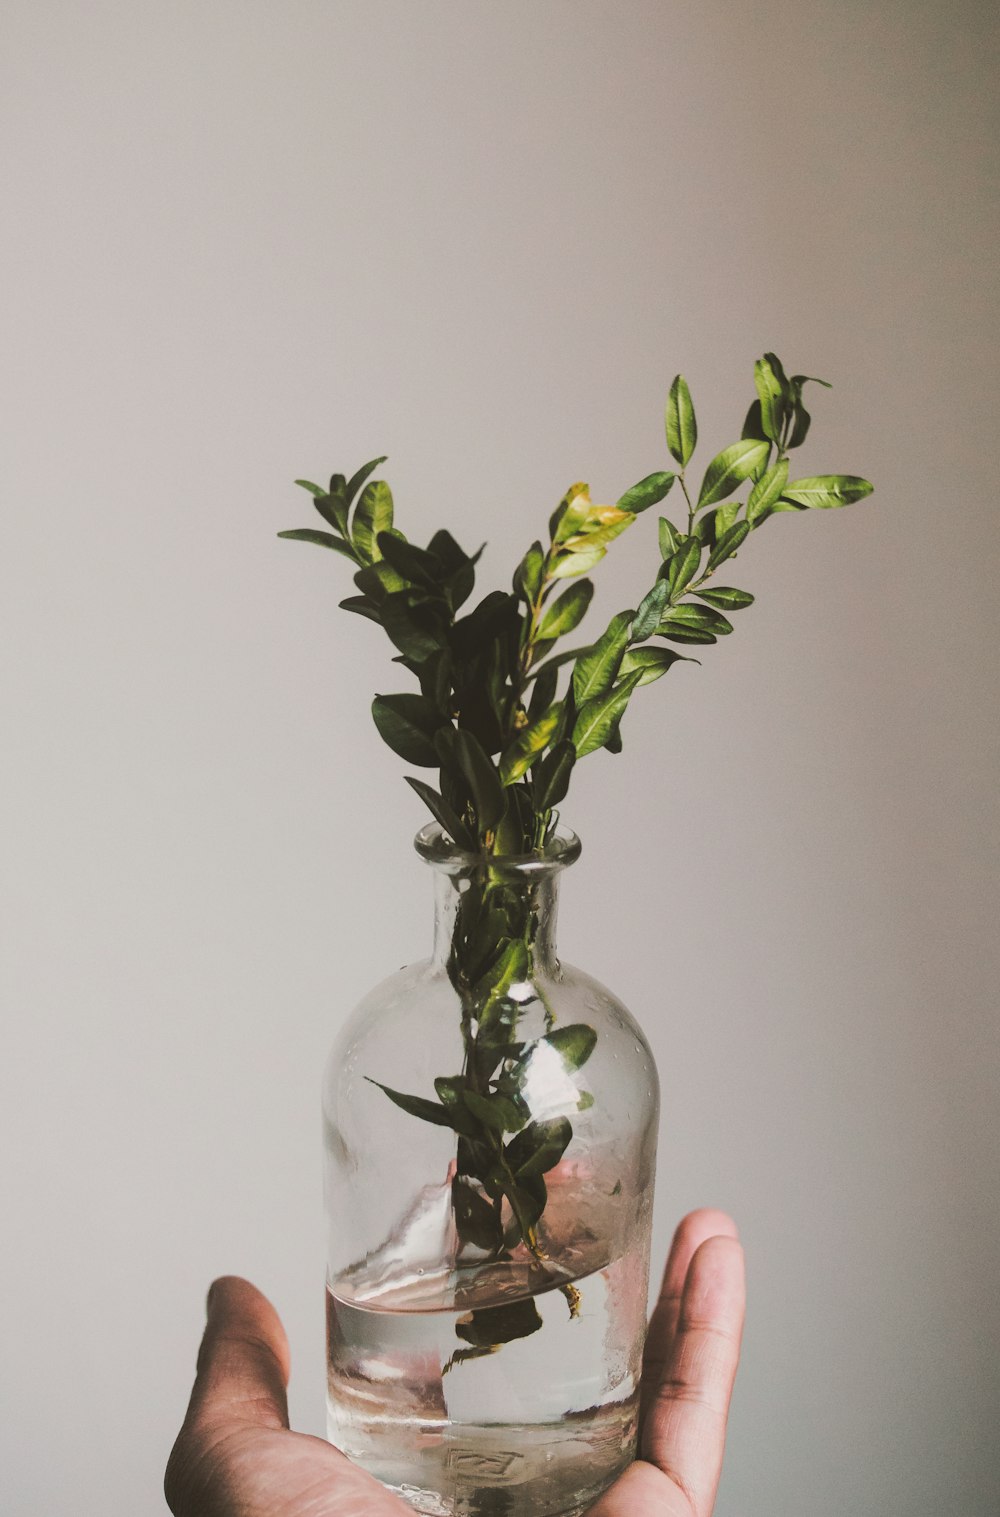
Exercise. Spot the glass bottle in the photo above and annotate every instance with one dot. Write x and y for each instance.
(489, 1208)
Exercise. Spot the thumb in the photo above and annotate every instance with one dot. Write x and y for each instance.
(243, 1362)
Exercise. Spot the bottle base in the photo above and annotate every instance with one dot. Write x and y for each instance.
(500, 1470)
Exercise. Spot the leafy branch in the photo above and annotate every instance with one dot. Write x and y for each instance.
(488, 715)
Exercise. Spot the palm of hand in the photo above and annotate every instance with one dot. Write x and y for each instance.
(235, 1455)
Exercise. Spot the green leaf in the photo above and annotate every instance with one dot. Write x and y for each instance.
(683, 567)
(372, 515)
(648, 492)
(772, 394)
(670, 538)
(307, 484)
(321, 539)
(551, 775)
(538, 1147)
(729, 468)
(333, 509)
(522, 752)
(442, 812)
(568, 610)
(691, 623)
(579, 562)
(574, 1044)
(414, 627)
(652, 663)
(479, 774)
(529, 573)
(682, 429)
(599, 716)
(728, 544)
(712, 523)
(767, 491)
(495, 1112)
(650, 610)
(826, 491)
(361, 606)
(417, 1106)
(414, 564)
(726, 599)
(567, 656)
(357, 480)
(595, 670)
(408, 724)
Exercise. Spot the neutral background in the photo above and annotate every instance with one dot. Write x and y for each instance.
(246, 241)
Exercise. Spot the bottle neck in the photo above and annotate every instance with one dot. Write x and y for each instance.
(486, 908)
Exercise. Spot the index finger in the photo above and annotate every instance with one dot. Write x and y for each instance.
(685, 1429)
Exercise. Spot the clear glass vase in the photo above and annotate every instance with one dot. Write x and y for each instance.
(490, 1123)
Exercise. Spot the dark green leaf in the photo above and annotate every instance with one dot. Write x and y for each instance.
(449, 555)
(595, 670)
(417, 1106)
(683, 567)
(691, 623)
(567, 610)
(726, 599)
(357, 480)
(825, 491)
(670, 538)
(648, 492)
(495, 1112)
(551, 775)
(442, 812)
(408, 723)
(413, 626)
(574, 1044)
(652, 663)
(372, 515)
(479, 774)
(650, 610)
(682, 429)
(307, 484)
(414, 564)
(713, 523)
(489, 1326)
(538, 1147)
(728, 469)
(333, 509)
(599, 716)
(476, 1220)
(544, 690)
(362, 606)
(321, 539)
(753, 426)
(728, 544)
(772, 394)
(767, 491)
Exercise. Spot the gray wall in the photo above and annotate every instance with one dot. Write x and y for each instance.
(249, 241)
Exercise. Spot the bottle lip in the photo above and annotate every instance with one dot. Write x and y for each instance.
(435, 847)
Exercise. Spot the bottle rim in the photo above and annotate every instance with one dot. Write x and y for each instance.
(435, 847)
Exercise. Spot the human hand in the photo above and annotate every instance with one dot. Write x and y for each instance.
(235, 1456)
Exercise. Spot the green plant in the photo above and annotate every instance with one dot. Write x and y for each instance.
(488, 714)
